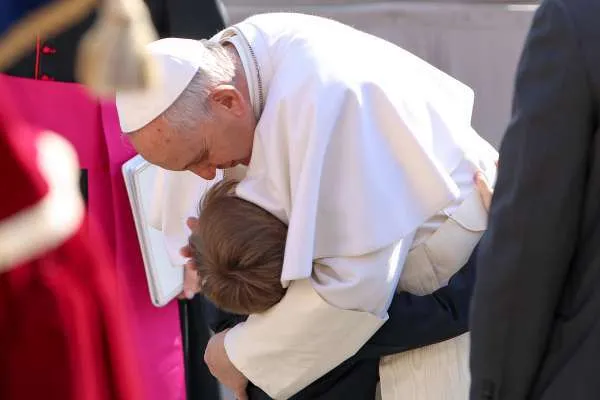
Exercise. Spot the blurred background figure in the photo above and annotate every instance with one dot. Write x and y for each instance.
(62, 328)
(40, 85)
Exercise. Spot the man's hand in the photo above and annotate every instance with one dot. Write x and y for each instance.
(222, 368)
(191, 280)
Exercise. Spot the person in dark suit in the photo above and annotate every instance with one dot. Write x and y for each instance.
(536, 313)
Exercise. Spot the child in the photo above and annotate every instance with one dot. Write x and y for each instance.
(238, 249)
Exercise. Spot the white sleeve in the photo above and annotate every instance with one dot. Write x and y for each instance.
(320, 322)
(365, 283)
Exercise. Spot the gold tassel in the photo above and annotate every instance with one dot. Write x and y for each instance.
(112, 54)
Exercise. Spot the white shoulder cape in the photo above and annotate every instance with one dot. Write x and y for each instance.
(354, 161)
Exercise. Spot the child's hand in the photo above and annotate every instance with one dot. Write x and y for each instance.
(222, 368)
(485, 189)
(191, 280)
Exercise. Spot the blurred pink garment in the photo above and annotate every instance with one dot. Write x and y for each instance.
(92, 127)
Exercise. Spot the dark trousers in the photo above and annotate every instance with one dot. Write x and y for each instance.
(414, 321)
(199, 382)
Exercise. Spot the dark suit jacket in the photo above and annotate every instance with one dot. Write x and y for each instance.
(536, 312)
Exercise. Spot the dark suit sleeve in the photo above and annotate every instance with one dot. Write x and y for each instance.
(535, 215)
(418, 321)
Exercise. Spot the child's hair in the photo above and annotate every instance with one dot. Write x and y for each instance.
(238, 249)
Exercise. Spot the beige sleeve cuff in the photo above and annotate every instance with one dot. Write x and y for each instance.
(296, 342)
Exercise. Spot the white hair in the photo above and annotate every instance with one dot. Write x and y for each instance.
(191, 106)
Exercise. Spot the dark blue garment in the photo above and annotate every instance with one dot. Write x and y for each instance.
(535, 332)
(12, 11)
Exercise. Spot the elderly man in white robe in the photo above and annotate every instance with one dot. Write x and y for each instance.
(366, 152)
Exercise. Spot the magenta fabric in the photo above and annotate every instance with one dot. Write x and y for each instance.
(162, 342)
(92, 127)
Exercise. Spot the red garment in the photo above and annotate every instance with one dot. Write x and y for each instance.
(62, 332)
(93, 129)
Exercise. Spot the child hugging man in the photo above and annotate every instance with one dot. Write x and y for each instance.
(238, 249)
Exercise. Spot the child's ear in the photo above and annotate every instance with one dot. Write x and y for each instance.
(192, 223)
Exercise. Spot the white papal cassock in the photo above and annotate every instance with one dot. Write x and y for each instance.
(363, 150)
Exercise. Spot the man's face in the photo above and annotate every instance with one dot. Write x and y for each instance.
(223, 141)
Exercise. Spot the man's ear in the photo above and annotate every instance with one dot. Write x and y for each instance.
(229, 98)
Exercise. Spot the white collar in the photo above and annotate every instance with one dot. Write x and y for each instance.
(250, 65)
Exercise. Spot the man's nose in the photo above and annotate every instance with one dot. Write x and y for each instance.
(209, 172)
